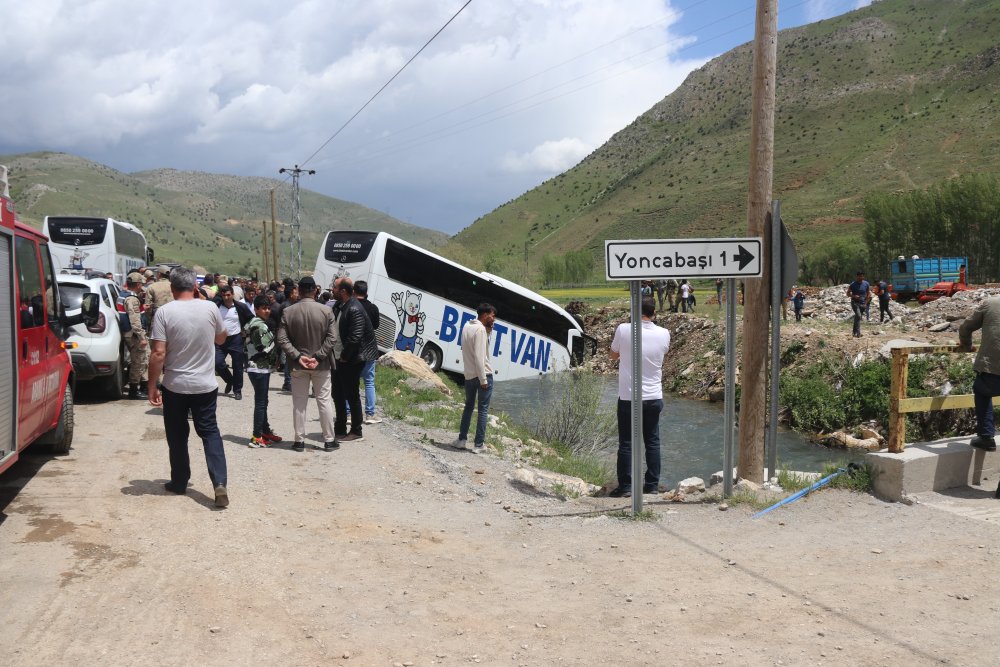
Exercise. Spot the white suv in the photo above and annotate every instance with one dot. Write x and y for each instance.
(100, 352)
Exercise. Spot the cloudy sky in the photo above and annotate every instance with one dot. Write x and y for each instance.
(508, 95)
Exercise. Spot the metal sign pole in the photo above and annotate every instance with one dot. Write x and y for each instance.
(729, 421)
(777, 297)
(637, 449)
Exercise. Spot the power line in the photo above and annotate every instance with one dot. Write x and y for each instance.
(457, 127)
(386, 85)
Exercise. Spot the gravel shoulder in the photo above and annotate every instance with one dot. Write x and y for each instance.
(396, 550)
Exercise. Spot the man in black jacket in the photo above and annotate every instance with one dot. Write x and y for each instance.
(368, 370)
(358, 339)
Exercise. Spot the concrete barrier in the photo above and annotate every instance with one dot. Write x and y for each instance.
(931, 466)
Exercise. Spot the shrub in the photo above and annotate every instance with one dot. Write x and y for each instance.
(574, 416)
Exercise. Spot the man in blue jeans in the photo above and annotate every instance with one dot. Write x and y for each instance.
(478, 376)
(655, 343)
(184, 334)
(859, 292)
(987, 367)
(368, 370)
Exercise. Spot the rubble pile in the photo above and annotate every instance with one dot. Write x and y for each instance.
(947, 314)
(832, 304)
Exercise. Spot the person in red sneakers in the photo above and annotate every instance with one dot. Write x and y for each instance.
(262, 358)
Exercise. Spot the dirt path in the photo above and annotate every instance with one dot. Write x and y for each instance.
(397, 551)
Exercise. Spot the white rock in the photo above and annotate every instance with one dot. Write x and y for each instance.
(415, 366)
(553, 483)
(747, 485)
(691, 485)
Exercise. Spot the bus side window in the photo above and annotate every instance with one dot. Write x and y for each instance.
(29, 279)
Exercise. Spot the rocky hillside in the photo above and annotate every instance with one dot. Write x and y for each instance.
(897, 95)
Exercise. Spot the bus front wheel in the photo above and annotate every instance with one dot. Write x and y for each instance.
(432, 356)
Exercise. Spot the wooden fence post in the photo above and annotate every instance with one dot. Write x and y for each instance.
(897, 419)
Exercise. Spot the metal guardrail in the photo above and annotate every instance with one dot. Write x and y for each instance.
(900, 405)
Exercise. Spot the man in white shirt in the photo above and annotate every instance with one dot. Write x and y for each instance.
(235, 315)
(655, 343)
(478, 376)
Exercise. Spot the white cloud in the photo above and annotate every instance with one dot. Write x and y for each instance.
(252, 86)
(549, 158)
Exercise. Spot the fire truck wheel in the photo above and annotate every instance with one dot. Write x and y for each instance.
(62, 434)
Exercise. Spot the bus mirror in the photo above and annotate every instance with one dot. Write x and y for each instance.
(150, 257)
(91, 308)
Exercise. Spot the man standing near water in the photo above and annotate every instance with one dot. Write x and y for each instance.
(655, 343)
(478, 376)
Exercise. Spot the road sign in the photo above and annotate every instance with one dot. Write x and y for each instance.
(683, 258)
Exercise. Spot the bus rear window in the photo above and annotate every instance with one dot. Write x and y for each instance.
(77, 231)
(349, 247)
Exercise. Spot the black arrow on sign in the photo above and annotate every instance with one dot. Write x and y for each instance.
(744, 257)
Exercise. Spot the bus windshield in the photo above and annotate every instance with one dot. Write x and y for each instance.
(349, 247)
(77, 231)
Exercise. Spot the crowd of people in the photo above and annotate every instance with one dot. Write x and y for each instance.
(186, 330)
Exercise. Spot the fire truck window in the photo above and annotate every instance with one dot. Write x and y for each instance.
(51, 302)
(29, 280)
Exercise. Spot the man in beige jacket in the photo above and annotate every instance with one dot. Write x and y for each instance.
(308, 334)
(478, 375)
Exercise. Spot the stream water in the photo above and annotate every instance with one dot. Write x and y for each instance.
(691, 432)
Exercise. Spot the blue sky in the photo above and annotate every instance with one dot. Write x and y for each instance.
(509, 95)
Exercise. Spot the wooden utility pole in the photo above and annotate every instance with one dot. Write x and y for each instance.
(753, 376)
(274, 241)
(265, 271)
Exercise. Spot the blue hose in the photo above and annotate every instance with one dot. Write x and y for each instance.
(795, 496)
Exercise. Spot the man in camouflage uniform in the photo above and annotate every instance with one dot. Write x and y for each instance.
(158, 294)
(135, 338)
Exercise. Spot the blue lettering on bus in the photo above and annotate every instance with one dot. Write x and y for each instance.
(544, 348)
(525, 349)
(498, 331)
(448, 321)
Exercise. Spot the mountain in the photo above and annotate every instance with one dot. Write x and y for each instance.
(894, 96)
(212, 220)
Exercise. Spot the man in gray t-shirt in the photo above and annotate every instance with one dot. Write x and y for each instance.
(184, 334)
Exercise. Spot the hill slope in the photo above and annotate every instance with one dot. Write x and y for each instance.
(197, 218)
(897, 95)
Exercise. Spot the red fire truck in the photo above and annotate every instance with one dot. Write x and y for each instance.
(36, 376)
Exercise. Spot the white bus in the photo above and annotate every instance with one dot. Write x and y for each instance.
(99, 244)
(425, 300)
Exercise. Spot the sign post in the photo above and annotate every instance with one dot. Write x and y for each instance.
(637, 260)
(635, 287)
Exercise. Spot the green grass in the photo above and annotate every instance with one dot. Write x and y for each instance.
(400, 401)
(861, 480)
(791, 482)
(588, 468)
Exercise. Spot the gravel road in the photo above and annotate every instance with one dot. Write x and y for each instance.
(398, 551)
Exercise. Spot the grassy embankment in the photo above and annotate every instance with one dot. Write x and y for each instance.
(431, 409)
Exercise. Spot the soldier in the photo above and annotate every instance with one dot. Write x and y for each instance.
(135, 338)
(672, 294)
(158, 294)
